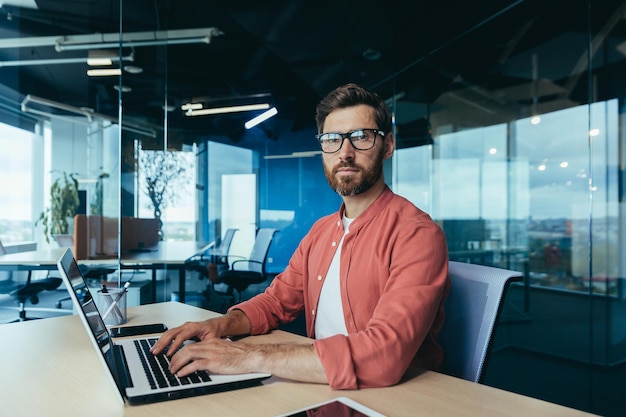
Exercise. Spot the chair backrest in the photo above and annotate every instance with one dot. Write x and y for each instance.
(6, 277)
(260, 249)
(472, 309)
(224, 246)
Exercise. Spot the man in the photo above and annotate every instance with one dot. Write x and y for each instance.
(371, 278)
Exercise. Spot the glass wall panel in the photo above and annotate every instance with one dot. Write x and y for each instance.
(509, 126)
(524, 172)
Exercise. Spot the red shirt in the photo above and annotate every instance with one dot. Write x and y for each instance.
(393, 278)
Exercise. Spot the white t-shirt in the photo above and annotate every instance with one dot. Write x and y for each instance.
(329, 319)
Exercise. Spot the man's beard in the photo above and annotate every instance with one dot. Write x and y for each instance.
(349, 186)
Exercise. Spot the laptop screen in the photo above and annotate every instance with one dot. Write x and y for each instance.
(89, 313)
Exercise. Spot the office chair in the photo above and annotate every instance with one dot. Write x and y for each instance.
(211, 255)
(245, 272)
(6, 277)
(29, 290)
(472, 310)
(211, 260)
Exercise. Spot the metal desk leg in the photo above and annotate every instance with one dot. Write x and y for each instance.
(154, 284)
(181, 284)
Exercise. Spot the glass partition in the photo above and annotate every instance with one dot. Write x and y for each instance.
(524, 172)
(509, 134)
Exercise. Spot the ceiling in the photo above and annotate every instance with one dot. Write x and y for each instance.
(293, 52)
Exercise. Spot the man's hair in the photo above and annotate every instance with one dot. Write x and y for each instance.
(352, 95)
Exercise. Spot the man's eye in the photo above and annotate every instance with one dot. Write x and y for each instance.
(358, 135)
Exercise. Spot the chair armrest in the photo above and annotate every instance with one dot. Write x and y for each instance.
(239, 261)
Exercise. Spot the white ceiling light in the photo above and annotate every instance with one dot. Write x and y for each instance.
(104, 72)
(124, 88)
(227, 109)
(132, 69)
(191, 106)
(55, 61)
(303, 154)
(99, 61)
(261, 118)
(101, 57)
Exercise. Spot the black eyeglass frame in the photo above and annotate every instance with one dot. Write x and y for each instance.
(348, 135)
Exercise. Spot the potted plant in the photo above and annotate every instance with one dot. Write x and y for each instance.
(63, 204)
(95, 207)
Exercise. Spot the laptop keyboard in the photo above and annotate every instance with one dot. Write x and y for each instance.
(157, 368)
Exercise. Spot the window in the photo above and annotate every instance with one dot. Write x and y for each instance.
(166, 179)
(16, 171)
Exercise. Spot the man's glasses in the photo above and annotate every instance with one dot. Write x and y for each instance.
(361, 139)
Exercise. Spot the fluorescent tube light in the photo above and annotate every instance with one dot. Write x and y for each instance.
(261, 118)
(101, 57)
(54, 61)
(303, 154)
(229, 109)
(104, 72)
(191, 106)
(94, 62)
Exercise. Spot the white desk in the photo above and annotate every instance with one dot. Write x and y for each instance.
(49, 368)
(167, 255)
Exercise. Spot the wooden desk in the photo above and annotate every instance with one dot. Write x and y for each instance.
(49, 368)
(167, 255)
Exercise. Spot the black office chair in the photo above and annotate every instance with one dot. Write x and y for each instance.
(213, 254)
(28, 290)
(245, 272)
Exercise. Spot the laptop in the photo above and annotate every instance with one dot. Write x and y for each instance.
(134, 370)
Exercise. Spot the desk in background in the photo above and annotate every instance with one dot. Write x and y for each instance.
(166, 255)
(50, 368)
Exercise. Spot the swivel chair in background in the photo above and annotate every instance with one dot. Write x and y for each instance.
(26, 291)
(245, 272)
(211, 260)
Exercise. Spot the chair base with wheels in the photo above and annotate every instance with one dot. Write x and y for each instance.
(211, 261)
(30, 292)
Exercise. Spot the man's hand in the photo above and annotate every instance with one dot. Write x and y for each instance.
(232, 324)
(178, 335)
(217, 356)
(293, 361)
(214, 353)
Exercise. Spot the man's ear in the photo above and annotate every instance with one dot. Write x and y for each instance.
(390, 145)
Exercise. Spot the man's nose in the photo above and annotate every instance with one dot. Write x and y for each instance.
(347, 151)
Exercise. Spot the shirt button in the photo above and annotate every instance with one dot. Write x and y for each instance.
(319, 277)
(313, 312)
(334, 244)
(338, 224)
